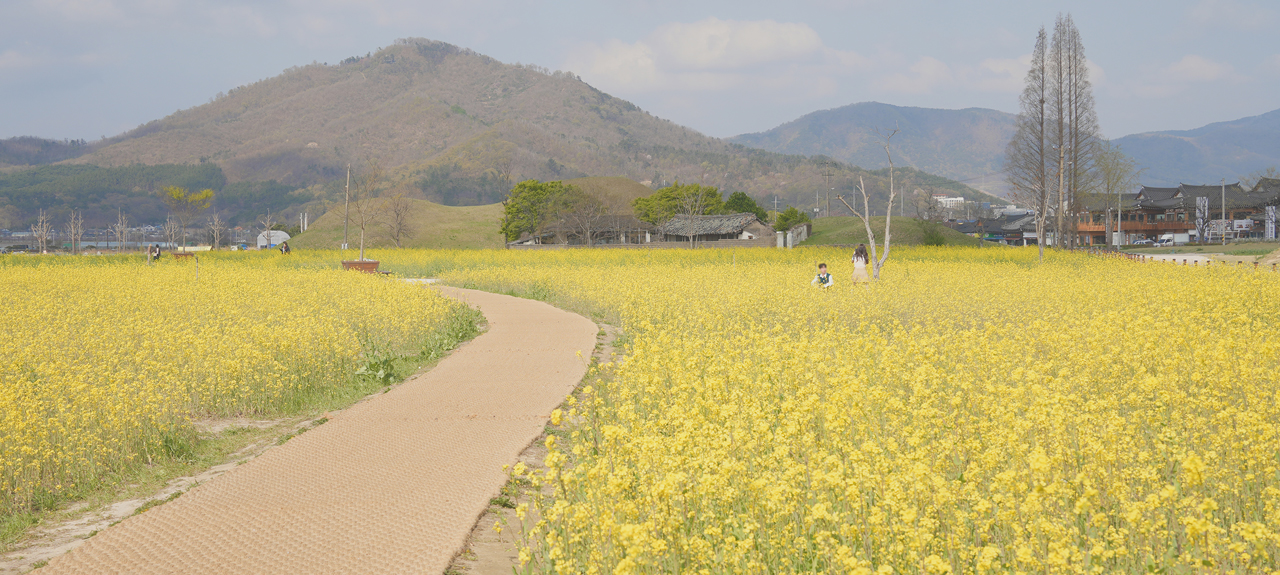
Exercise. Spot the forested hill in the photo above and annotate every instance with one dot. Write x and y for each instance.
(456, 126)
(958, 144)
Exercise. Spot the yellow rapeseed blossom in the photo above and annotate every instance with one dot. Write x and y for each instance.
(973, 412)
(106, 361)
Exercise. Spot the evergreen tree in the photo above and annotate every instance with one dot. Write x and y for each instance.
(740, 202)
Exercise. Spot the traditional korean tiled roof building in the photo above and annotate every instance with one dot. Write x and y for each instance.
(1154, 212)
(715, 228)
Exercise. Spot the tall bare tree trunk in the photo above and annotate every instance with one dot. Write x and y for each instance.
(1075, 124)
(1026, 155)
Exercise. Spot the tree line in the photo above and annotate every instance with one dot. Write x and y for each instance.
(97, 194)
(533, 208)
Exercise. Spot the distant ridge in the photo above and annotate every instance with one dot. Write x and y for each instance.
(1208, 154)
(957, 144)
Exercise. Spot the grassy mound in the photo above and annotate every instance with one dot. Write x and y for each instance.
(906, 231)
(431, 226)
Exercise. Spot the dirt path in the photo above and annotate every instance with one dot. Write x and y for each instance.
(391, 485)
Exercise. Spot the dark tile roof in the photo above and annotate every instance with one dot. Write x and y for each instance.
(1193, 190)
(683, 225)
(1150, 193)
(1267, 185)
(1169, 204)
(1236, 197)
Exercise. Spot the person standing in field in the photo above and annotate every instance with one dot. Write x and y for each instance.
(823, 279)
(284, 248)
(860, 260)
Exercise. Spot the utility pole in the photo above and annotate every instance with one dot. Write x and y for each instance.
(1119, 216)
(346, 209)
(827, 174)
(1225, 223)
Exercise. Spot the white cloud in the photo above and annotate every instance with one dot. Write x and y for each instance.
(710, 54)
(1193, 68)
(715, 44)
(1001, 74)
(925, 75)
(1177, 77)
(1216, 15)
(620, 64)
(1272, 64)
(13, 60)
(87, 10)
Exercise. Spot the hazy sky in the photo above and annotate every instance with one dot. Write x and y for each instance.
(92, 68)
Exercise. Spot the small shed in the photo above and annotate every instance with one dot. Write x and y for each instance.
(271, 239)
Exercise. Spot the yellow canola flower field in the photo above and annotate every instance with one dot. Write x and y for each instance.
(105, 364)
(973, 412)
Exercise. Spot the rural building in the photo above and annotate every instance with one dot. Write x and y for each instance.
(272, 240)
(1013, 228)
(746, 228)
(1154, 212)
(718, 231)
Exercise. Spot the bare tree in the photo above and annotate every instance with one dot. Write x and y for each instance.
(42, 230)
(582, 212)
(121, 230)
(1083, 139)
(266, 223)
(1026, 155)
(693, 200)
(1250, 181)
(1073, 126)
(927, 206)
(364, 198)
(172, 230)
(216, 227)
(398, 222)
(877, 261)
(1116, 173)
(75, 230)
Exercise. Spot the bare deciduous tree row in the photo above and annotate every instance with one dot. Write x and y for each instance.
(1051, 162)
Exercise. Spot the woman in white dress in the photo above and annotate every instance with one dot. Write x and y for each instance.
(860, 260)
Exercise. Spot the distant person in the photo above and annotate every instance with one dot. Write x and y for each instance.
(860, 260)
(284, 248)
(153, 253)
(823, 279)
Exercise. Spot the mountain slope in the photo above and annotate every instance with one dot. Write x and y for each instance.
(1207, 154)
(958, 144)
(459, 128)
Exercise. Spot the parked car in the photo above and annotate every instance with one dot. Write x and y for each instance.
(1164, 244)
(1143, 243)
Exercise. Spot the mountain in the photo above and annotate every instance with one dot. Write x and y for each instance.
(1207, 154)
(450, 126)
(968, 145)
(32, 151)
(957, 144)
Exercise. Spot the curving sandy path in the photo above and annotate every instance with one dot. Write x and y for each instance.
(391, 485)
